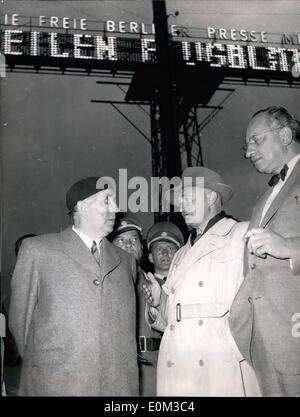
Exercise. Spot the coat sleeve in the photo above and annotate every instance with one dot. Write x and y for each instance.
(24, 294)
(134, 272)
(160, 322)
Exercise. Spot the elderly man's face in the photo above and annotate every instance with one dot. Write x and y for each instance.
(194, 205)
(130, 241)
(264, 145)
(161, 254)
(100, 211)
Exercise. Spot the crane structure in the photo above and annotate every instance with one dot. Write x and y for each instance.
(175, 74)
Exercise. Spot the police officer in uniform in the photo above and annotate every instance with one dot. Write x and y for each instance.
(127, 234)
(163, 241)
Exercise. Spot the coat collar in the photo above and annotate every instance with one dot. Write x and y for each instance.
(213, 239)
(109, 258)
(281, 196)
(74, 247)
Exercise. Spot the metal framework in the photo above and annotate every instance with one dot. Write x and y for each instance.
(192, 88)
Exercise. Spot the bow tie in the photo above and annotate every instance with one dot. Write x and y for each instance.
(280, 176)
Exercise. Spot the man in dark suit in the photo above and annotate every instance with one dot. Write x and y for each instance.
(72, 309)
(267, 306)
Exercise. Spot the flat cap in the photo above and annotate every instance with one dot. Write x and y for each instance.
(81, 190)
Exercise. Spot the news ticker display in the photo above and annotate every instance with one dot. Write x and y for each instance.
(143, 50)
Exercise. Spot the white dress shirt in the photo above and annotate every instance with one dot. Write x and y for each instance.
(86, 239)
(279, 185)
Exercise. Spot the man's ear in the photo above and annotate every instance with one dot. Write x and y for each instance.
(81, 206)
(212, 198)
(286, 136)
(150, 257)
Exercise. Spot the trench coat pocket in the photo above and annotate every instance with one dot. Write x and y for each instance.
(49, 357)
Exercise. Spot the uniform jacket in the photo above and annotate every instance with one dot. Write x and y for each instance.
(271, 289)
(74, 322)
(144, 330)
(198, 355)
(2, 335)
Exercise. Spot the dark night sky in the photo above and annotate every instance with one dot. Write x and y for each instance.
(52, 135)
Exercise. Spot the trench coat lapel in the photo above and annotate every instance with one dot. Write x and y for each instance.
(281, 196)
(212, 240)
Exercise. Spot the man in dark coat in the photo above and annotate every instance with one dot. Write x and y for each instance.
(265, 312)
(72, 309)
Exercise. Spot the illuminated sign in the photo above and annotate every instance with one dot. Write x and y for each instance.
(109, 26)
(141, 49)
(133, 42)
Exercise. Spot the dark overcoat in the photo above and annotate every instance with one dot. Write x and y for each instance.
(74, 322)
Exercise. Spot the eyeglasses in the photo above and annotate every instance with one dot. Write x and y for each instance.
(257, 140)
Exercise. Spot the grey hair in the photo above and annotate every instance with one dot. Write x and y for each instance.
(283, 118)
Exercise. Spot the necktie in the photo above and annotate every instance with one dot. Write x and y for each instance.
(161, 281)
(280, 176)
(95, 252)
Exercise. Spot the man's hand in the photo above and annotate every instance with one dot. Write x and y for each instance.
(263, 242)
(152, 291)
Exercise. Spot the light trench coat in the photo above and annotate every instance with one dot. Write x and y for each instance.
(198, 356)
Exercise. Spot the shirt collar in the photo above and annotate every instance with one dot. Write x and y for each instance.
(86, 239)
(292, 164)
(160, 276)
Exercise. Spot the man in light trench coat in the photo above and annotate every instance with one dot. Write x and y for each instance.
(72, 309)
(198, 356)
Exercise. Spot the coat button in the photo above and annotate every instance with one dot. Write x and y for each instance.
(200, 322)
(252, 266)
(173, 290)
(169, 364)
(200, 283)
(201, 362)
(96, 282)
(172, 327)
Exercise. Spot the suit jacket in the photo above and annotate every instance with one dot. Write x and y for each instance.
(263, 312)
(73, 321)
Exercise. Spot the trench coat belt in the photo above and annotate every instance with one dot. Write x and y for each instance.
(188, 311)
